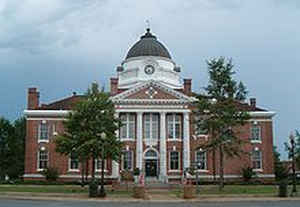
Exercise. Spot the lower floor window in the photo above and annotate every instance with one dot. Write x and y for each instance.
(174, 160)
(200, 160)
(43, 159)
(127, 161)
(74, 162)
(256, 159)
(98, 164)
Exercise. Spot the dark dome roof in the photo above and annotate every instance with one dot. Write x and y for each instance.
(148, 45)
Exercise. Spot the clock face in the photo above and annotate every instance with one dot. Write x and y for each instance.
(149, 69)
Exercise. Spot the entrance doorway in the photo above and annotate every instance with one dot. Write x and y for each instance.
(151, 160)
(151, 168)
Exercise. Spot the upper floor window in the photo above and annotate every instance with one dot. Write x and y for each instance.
(255, 132)
(42, 159)
(256, 159)
(199, 126)
(174, 126)
(127, 130)
(200, 160)
(74, 162)
(174, 160)
(151, 126)
(43, 132)
(127, 160)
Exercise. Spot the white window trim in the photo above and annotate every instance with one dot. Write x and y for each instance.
(174, 140)
(127, 124)
(122, 160)
(179, 166)
(73, 170)
(151, 126)
(39, 132)
(38, 161)
(205, 169)
(173, 115)
(100, 170)
(259, 140)
(261, 163)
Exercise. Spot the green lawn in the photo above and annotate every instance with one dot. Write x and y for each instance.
(43, 188)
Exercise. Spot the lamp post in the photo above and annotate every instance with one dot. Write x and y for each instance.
(197, 176)
(292, 140)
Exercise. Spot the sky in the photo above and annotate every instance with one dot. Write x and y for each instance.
(62, 46)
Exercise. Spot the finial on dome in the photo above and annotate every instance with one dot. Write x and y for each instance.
(148, 25)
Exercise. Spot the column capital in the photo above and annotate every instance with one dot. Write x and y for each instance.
(162, 113)
(139, 113)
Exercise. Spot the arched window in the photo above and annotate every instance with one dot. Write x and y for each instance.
(150, 154)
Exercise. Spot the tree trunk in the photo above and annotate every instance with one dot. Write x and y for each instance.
(93, 169)
(102, 191)
(86, 170)
(82, 172)
(214, 163)
(221, 184)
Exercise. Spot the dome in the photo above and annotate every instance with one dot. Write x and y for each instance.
(148, 45)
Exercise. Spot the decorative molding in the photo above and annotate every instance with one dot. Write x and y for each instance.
(121, 98)
(46, 113)
(261, 114)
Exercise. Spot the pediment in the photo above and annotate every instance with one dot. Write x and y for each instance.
(154, 92)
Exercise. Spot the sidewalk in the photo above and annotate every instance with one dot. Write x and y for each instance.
(152, 197)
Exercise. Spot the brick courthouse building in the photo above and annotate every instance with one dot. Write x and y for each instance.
(159, 134)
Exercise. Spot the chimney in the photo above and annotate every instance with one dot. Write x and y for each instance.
(253, 102)
(113, 86)
(187, 86)
(33, 98)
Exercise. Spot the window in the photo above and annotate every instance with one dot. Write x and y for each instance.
(43, 132)
(151, 126)
(127, 130)
(198, 126)
(255, 133)
(200, 160)
(174, 160)
(127, 160)
(256, 160)
(42, 159)
(174, 126)
(98, 164)
(74, 162)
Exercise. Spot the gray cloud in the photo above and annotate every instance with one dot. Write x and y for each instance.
(63, 45)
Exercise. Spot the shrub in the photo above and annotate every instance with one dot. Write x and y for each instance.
(50, 173)
(136, 171)
(93, 189)
(248, 173)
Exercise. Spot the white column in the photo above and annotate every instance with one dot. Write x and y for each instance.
(163, 153)
(115, 165)
(186, 140)
(139, 141)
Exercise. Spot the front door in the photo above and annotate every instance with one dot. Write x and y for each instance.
(151, 168)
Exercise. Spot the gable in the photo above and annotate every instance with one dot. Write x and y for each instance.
(151, 92)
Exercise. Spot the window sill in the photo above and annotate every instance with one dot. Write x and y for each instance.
(73, 170)
(40, 170)
(126, 140)
(256, 141)
(101, 170)
(174, 171)
(174, 140)
(258, 170)
(43, 141)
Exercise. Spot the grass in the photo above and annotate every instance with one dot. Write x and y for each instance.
(43, 188)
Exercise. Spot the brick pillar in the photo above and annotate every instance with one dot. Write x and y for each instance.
(187, 86)
(113, 86)
(33, 98)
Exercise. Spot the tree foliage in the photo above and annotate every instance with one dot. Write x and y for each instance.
(12, 147)
(90, 129)
(218, 111)
(281, 172)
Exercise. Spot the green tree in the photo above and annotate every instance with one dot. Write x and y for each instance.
(90, 131)
(281, 172)
(12, 144)
(219, 114)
